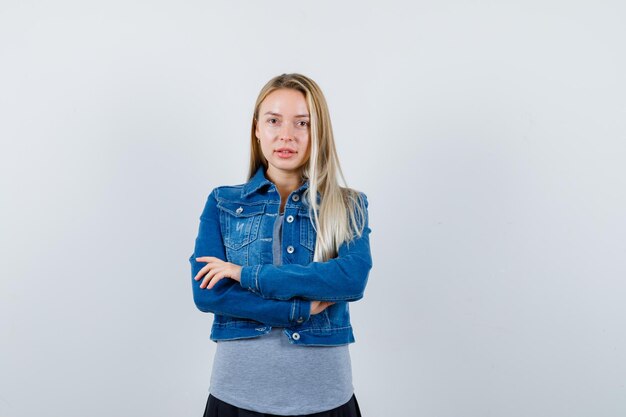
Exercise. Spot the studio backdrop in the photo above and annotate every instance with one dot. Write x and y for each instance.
(488, 136)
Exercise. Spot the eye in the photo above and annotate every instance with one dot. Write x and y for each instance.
(272, 121)
(303, 123)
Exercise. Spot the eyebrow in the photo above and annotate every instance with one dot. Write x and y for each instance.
(278, 114)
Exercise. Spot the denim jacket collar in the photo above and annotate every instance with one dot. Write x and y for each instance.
(259, 180)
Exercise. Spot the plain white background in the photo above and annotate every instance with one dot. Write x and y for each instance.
(488, 136)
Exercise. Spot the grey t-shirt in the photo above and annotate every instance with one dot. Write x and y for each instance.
(268, 374)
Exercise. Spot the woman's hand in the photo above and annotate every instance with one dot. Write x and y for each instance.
(319, 306)
(216, 269)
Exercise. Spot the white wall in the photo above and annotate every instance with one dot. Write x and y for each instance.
(489, 137)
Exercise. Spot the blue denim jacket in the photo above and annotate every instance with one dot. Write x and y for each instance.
(236, 225)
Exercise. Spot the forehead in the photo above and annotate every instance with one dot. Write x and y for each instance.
(286, 102)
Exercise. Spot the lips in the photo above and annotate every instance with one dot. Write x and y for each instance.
(285, 153)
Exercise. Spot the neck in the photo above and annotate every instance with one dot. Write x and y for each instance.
(285, 181)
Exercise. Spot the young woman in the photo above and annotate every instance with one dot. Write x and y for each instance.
(277, 260)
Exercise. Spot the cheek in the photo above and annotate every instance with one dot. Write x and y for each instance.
(266, 149)
(307, 152)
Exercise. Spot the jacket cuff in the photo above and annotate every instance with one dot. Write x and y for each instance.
(300, 311)
(250, 278)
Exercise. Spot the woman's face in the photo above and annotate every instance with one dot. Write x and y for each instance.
(283, 130)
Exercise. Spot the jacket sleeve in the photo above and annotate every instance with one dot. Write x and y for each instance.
(339, 279)
(227, 297)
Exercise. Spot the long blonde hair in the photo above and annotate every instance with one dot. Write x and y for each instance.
(340, 215)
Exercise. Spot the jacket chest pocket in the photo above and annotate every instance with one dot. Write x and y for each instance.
(240, 223)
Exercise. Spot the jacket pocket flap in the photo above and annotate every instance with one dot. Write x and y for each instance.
(241, 210)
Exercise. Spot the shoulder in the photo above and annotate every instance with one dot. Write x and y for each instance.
(357, 207)
(223, 194)
(227, 192)
(354, 198)
(223, 197)
(356, 204)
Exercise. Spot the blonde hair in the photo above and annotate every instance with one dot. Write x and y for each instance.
(340, 216)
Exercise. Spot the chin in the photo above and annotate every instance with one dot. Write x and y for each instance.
(287, 165)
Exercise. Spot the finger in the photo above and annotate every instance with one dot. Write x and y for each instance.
(206, 269)
(215, 280)
(207, 279)
(203, 271)
(205, 282)
(315, 307)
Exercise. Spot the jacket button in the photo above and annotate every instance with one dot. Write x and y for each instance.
(296, 336)
(300, 320)
(290, 249)
(295, 197)
(289, 218)
(239, 210)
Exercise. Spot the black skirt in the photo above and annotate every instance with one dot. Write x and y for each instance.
(218, 408)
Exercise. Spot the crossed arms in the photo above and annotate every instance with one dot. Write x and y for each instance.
(278, 295)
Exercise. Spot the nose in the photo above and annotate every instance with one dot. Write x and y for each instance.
(286, 132)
